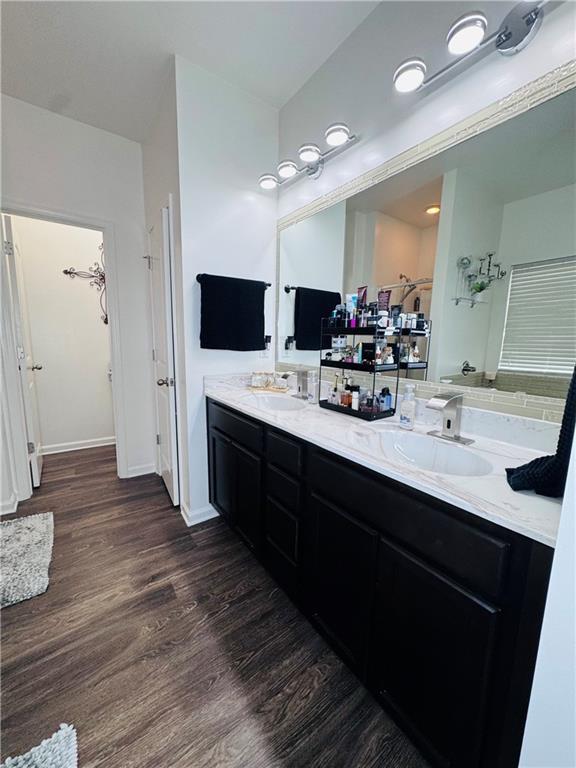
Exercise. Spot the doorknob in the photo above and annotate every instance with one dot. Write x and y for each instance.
(163, 382)
(36, 367)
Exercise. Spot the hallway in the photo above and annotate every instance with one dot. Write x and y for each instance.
(170, 647)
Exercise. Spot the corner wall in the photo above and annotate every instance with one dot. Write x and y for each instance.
(226, 140)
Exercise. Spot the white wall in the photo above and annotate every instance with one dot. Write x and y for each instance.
(58, 166)
(67, 334)
(470, 225)
(311, 256)
(401, 248)
(226, 139)
(550, 735)
(534, 229)
(359, 255)
(355, 85)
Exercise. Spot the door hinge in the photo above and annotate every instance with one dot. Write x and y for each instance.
(31, 448)
(157, 439)
(8, 248)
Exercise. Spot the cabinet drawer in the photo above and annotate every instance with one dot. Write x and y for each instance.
(283, 488)
(426, 526)
(285, 453)
(246, 432)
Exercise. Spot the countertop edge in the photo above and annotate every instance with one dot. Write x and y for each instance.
(491, 515)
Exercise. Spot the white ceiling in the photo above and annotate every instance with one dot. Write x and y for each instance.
(105, 63)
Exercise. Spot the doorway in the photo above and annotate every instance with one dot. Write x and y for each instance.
(56, 287)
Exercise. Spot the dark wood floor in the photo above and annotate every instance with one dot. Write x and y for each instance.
(170, 647)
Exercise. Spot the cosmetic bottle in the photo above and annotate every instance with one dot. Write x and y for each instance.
(355, 404)
(408, 408)
(333, 397)
(385, 400)
(368, 405)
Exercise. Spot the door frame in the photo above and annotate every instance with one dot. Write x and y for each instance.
(14, 208)
(170, 292)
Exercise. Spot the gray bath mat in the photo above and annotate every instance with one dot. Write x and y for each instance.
(26, 551)
(59, 751)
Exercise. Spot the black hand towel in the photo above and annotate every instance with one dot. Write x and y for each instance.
(231, 313)
(547, 474)
(310, 307)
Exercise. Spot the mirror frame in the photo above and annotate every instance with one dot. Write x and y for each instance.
(533, 94)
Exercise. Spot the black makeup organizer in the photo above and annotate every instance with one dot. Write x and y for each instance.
(375, 335)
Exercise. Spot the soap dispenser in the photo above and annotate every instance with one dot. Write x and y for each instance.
(408, 408)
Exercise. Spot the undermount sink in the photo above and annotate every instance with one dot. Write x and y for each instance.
(273, 402)
(422, 451)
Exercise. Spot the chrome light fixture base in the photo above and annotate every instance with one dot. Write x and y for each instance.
(519, 29)
(516, 32)
(312, 169)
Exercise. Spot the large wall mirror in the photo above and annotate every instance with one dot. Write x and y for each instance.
(480, 240)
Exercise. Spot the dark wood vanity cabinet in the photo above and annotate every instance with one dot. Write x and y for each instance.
(432, 655)
(436, 611)
(343, 578)
(236, 473)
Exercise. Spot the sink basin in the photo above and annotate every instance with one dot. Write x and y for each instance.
(279, 402)
(422, 451)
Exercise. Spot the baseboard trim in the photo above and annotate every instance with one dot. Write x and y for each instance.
(77, 445)
(9, 506)
(196, 516)
(142, 469)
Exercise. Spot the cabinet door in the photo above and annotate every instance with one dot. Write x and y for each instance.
(248, 501)
(344, 577)
(431, 656)
(222, 474)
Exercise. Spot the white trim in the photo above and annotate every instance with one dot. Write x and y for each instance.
(21, 208)
(196, 516)
(528, 96)
(141, 469)
(77, 445)
(9, 506)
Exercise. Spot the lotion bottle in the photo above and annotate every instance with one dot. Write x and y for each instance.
(408, 408)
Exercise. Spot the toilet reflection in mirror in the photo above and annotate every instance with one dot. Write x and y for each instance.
(480, 238)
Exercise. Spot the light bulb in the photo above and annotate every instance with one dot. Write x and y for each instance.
(309, 153)
(268, 181)
(337, 134)
(433, 209)
(409, 76)
(287, 169)
(466, 33)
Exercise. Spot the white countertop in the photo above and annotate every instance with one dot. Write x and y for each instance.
(487, 496)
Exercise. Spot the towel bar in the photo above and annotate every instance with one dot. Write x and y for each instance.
(200, 275)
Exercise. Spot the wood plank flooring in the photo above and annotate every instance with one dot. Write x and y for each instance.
(170, 647)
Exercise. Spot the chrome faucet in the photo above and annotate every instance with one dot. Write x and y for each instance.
(450, 405)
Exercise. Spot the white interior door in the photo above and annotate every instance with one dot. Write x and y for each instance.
(160, 262)
(26, 363)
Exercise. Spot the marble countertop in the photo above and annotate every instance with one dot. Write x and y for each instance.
(487, 496)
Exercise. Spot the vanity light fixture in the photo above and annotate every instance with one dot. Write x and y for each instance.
(268, 181)
(287, 169)
(338, 138)
(337, 134)
(432, 210)
(409, 76)
(309, 153)
(468, 35)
